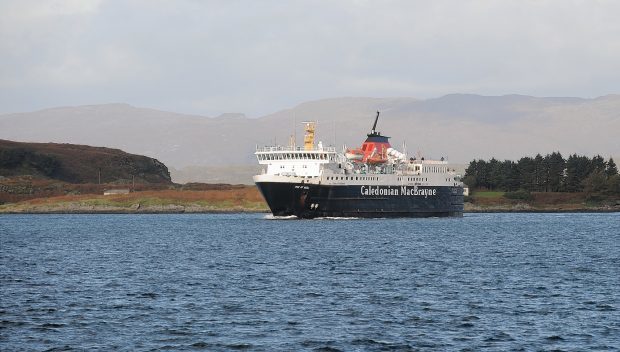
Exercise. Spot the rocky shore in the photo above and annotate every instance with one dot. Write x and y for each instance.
(526, 208)
(138, 208)
(80, 208)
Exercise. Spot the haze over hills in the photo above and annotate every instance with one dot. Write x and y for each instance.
(459, 126)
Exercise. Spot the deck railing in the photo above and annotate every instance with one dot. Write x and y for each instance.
(279, 148)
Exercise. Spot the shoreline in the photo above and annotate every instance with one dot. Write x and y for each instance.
(565, 211)
(584, 211)
(248, 200)
(136, 209)
(111, 212)
(260, 211)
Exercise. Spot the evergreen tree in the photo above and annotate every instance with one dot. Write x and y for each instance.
(483, 174)
(527, 173)
(597, 164)
(539, 173)
(496, 177)
(556, 165)
(546, 173)
(551, 173)
(577, 169)
(511, 176)
(613, 185)
(471, 178)
(611, 169)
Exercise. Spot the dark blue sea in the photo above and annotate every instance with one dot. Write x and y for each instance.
(485, 282)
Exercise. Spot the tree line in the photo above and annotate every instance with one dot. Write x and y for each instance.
(551, 173)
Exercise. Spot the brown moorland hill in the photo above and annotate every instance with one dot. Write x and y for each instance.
(79, 163)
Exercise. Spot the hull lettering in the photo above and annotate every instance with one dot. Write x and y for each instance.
(393, 191)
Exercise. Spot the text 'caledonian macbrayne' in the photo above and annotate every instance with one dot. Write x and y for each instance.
(395, 191)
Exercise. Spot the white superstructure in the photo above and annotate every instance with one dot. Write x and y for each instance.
(323, 165)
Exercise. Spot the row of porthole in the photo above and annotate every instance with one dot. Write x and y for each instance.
(357, 178)
(414, 179)
(435, 169)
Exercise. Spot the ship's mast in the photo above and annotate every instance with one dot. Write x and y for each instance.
(374, 127)
(309, 134)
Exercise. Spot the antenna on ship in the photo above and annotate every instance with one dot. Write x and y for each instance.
(291, 141)
(373, 132)
(294, 129)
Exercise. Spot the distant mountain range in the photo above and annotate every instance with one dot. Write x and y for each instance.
(460, 127)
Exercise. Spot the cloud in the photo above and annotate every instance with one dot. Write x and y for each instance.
(257, 57)
(32, 10)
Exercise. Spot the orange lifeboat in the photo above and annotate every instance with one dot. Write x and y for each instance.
(374, 150)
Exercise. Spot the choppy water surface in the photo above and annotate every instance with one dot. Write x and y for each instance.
(224, 282)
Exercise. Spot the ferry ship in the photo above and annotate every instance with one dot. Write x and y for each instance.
(373, 181)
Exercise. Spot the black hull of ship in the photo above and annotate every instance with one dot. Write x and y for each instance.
(311, 201)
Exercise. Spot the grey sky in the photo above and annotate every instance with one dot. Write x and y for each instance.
(257, 57)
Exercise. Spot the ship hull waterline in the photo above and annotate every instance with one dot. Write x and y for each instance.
(362, 201)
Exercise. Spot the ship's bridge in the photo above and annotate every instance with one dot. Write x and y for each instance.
(295, 160)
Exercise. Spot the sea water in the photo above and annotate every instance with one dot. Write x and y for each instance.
(247, 281)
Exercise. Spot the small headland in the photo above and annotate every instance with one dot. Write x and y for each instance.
(69, 178)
